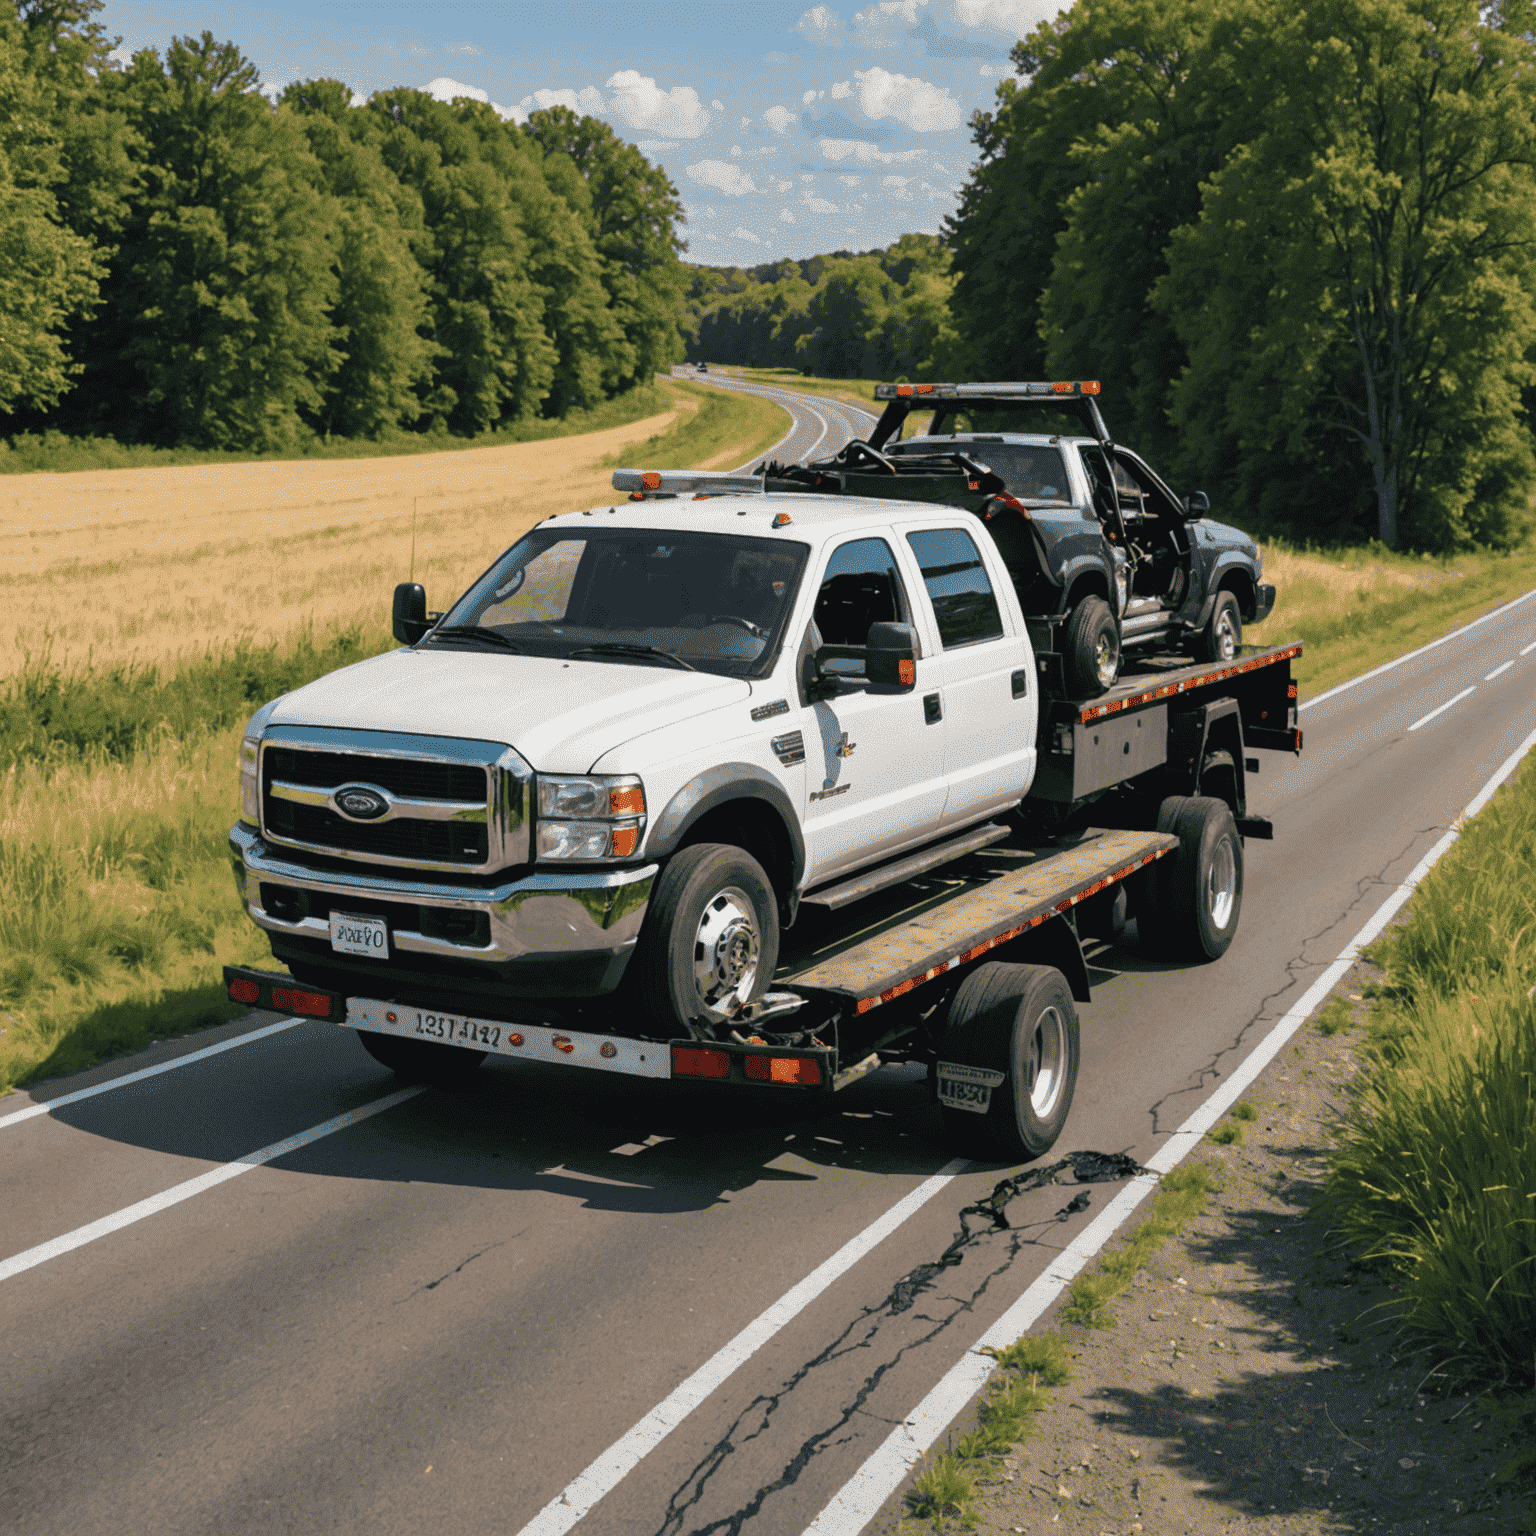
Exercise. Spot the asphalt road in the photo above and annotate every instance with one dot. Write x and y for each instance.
(437, 1316)
(821, 425)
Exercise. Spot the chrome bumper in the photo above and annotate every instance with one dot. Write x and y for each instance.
(587, 920)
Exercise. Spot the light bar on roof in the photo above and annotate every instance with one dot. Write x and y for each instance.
(685, 482)
(1019, 391)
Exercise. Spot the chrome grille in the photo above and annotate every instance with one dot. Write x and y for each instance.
(436, 802)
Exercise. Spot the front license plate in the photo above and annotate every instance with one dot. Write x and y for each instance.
(967, 1088)
(352, 934)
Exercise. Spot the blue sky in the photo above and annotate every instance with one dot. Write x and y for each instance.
(788, 129)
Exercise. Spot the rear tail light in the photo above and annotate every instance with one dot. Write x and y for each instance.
(800, 1070)
(313, 1005)
(699, 1061)
(243, 991)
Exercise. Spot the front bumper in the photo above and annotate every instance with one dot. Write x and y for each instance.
(1263, 602)
(568, 933)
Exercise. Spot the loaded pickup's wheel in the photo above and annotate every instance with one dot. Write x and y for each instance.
(1091, 649)
(1222, 638)
(1008, 1062)
(710, 943)
(1199, 886)
(422, 1061)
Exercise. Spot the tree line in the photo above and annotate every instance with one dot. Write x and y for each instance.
(183, 261)
(1293, 239)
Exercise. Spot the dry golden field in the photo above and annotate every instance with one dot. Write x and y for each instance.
(150, 565)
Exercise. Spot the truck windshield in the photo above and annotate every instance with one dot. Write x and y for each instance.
(716, 601)
(1032, 472)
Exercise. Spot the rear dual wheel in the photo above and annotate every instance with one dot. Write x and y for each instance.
(1017, 1021)
(1196, 893)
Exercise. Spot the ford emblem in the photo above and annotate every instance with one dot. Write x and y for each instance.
(361, 802)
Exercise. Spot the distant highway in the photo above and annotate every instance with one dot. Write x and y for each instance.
(821, 426)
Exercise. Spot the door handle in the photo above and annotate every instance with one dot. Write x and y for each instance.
(933, 711)
(1021, 682)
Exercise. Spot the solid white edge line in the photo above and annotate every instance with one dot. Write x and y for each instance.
(579, 1496)
(861, 1498)
(137, 1077)
(1424, 720)
(1497, 670)
(31, 1257)
(1387, 666)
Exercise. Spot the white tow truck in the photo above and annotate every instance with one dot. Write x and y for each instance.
(757, 788)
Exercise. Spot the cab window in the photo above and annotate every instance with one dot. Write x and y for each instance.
(859, 587)
(963, 601)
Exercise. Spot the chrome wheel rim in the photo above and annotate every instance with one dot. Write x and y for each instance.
(1226, 636)
(1221, 884)
(726, 950)
(1047, 1063)
(1106, 659)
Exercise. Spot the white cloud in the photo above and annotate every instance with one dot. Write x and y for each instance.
(765, 153)
(842, 89)
(921, 106)
(865, 153)
(807, 178)
(745, 234)
(719, 106)
(460, 48)
(896, 189)
(122, 55)
(650, 148)
(357, 100)
(810, 96)
(990, 71)
(1015, 16)
(817, 204)
(880, 26)
(785, 216)
(850, 181)
(723, 176)
(822, 26)
(418, 52)
(777, 118)
(444, 89)
(588, 101)
(894, 181)
(273, 89)
(678, 113)
(779, 186)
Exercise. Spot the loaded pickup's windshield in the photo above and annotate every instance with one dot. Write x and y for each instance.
(714, 602)
(1032, 472)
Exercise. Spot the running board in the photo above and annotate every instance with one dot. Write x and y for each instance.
(887, 875)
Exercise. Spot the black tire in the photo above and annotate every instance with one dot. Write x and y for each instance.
(1091, 649)
(1018, 1020)
(422, 1061)
(1222, 638)
(710, 941)
(1200, 884)
(1218, 778)
(1155, 927)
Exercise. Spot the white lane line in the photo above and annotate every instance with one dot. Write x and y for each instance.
(1531, 647)
(21, 1262)
(143, 1072)
(860, 1499)
(1505, 668)
(573, 1501)
(1442, 709)
(1387, 666)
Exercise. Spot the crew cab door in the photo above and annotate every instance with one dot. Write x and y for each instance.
(874, 761)
(981, 677)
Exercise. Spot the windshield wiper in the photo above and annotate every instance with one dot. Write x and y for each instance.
(473, 632)
(626, 648)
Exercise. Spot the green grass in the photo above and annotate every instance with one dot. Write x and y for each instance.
(1333, 1017)
(1434, 1177)
(56, 452)
(1182, 1195)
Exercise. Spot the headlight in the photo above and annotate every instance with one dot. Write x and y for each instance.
(591, 816)
(250, 786)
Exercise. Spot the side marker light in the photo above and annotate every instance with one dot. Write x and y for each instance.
(243, 991)
(651, 480)
(782, 519)
(906, 673)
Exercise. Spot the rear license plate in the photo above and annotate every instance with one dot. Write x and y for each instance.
(967, 1088)
(353, 934)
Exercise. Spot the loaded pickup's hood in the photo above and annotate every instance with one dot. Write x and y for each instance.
(561, 716)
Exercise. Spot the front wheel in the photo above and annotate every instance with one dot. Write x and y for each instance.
(1222, 638)
(1012, 1030)
(1091, 649)
(710, 944)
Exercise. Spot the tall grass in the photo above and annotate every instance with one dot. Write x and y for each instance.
(1435, 1172)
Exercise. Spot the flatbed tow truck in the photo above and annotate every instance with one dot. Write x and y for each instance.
(965, 953)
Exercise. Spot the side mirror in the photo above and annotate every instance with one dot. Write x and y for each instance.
(410, 614)
(891, 656)
(817, 682)
(1198, 504)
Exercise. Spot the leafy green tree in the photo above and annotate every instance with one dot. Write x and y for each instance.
(632, 213)
(844, 316)
(1361, 270)
(215, 327)
(382, 313)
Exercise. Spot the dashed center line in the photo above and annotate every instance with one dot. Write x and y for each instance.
(1531, 647)
(1505, 668)
(1442, 709)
